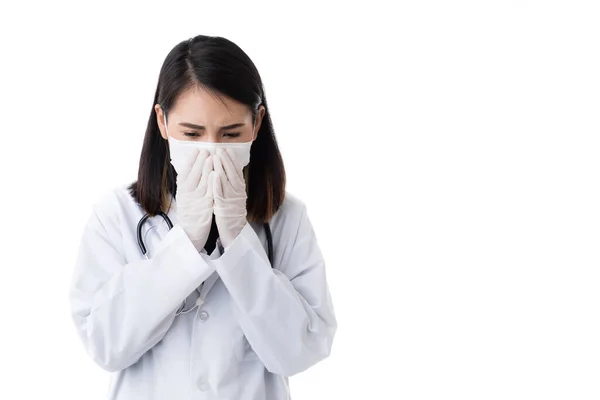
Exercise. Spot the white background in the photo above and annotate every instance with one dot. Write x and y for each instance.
(448, 154)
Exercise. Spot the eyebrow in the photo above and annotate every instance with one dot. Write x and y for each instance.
(200, 127)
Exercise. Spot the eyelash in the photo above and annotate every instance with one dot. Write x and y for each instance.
(195, 134)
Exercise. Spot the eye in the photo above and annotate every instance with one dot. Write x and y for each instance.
(233, 135)
(191, 134)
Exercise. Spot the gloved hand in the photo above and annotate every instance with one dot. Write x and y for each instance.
(194, 198)
(229, 197)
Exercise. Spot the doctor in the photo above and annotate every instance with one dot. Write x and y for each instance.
(203, 314)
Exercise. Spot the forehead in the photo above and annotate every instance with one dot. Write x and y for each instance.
(198, 105)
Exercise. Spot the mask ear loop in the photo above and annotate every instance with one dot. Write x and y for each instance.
(255, 135)
(168, 154)
(165, 121)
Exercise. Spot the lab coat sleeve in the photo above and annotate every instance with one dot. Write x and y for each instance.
(121, 310)
(287, 313)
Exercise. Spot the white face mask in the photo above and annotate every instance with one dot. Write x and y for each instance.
(181, 150)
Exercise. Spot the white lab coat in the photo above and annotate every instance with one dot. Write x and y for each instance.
(258, 325)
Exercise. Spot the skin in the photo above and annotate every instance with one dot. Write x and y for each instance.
(200, 107)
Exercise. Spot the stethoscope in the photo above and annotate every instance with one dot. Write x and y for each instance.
(182, 309)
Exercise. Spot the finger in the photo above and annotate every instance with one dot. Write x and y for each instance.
(239, 171)
(218, 164)
(193, 179)
(217, 187)
(231, 171)
(225, 186)
(210, 184)
(206, 170)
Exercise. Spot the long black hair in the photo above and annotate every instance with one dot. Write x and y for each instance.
(219, 65)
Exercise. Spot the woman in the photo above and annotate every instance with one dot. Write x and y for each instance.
(203, 314)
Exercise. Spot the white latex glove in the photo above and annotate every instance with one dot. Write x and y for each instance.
(194, 198)
(229, 197)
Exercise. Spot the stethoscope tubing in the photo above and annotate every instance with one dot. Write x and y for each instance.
(166, 218)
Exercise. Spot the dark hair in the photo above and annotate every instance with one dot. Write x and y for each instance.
(219, 65)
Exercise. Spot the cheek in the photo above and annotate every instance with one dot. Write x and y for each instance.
(179, 136)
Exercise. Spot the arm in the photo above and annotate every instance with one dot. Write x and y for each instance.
(286, 314)
(121, 310)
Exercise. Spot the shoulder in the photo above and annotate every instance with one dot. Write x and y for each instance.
(115, 204)
(292, 208)
(291, 230)
(112, 199)
(289, 219)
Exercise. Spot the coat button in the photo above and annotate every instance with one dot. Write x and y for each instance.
(203, 316)
(203, 386)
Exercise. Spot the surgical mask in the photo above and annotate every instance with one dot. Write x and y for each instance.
(181, 150)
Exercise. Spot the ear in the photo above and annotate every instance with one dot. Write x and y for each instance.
(160, 121)
(259, 117)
